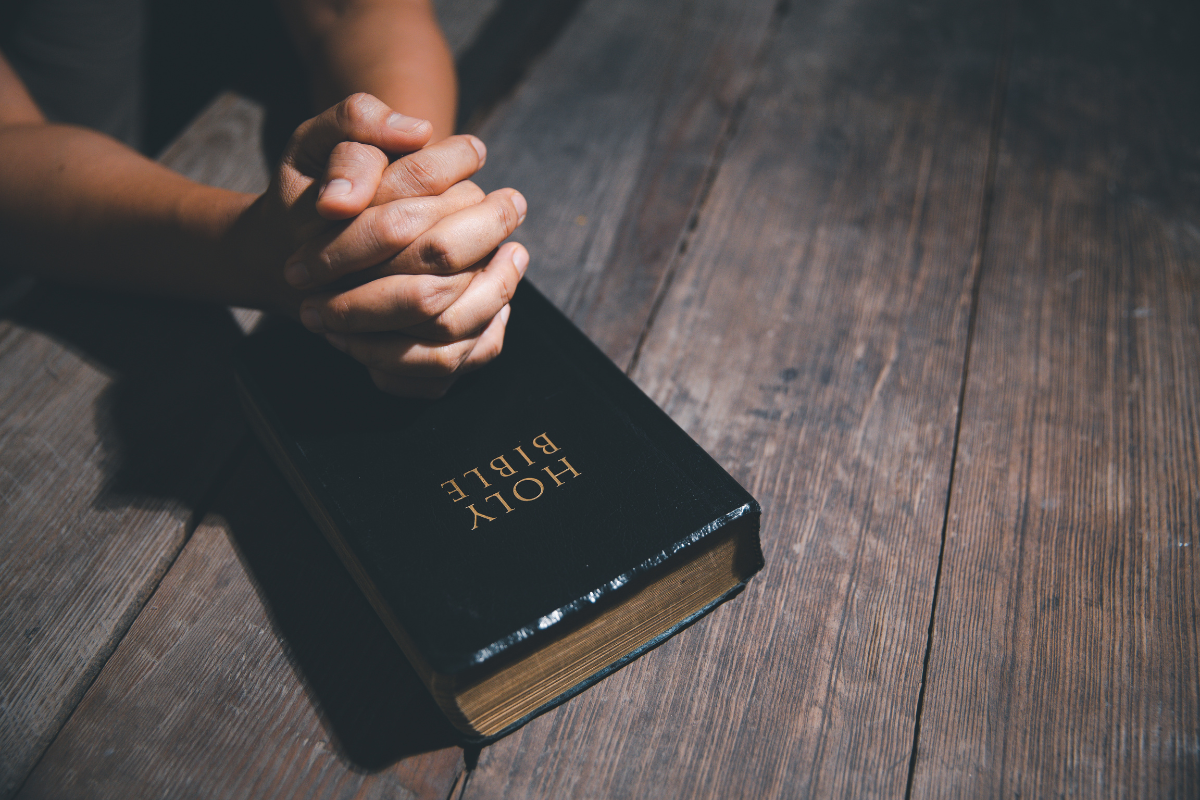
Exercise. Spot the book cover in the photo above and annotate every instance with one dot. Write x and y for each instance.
(522, 537)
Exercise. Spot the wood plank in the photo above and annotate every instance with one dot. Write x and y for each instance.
(812, 340)
(257, 669)
(78, 763)
(1066, 651)
(611, 138)
(116, 414)
(221, 147)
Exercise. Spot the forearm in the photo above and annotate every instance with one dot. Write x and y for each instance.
(393, 49)
(82, 208)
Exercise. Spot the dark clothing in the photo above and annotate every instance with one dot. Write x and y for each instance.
(81, 60)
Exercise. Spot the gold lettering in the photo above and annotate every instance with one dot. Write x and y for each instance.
(477, 475)
(507, 507)
(504, 466)
(461, 493)
(527, 499)
(522, 452)
(475, 519)
(546, 446)
(569, 468)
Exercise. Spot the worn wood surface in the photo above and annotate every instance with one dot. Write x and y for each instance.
(611, 138)
(116, 415)
(812, 340)
(1065, 657)
(71, 769)
(780, 217)
(256, 670)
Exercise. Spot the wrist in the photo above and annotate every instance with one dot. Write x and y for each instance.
(248, 264)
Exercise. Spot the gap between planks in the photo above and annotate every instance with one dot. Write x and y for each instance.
(710, 178)
(999, 95)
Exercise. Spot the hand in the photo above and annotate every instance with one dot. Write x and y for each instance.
(332, 168)
(422, 307)
(415, 287)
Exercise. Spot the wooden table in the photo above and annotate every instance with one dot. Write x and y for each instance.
(923, 276)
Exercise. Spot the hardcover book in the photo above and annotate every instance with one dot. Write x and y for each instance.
(526, 535)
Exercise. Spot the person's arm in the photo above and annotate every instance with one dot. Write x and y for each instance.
(79, 207)
(72, 201)
(392, 49)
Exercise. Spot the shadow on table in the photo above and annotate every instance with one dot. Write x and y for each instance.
(170, 430)
(168, 422)
(368, 695)
(167, 419)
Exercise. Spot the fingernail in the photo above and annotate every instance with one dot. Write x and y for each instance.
(312, 320)
(518, 200)
(297, 274)
(505, 313)
(407, 124)
(337, 340)
(479, 148)
(336, 188)
(520, 260)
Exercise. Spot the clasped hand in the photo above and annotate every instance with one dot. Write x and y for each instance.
(398, 263)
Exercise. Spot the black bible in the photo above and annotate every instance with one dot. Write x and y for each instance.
(534, 530)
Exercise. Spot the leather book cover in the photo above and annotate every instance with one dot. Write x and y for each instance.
(540, 490)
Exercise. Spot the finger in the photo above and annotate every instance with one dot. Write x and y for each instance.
(398, 354)
(422, 305)
(374, 236)
(461, 239)
(406, 356)
(432, 170)
(489, 343)
(481, 302)
(408, 367)
(390, 303)
(359, 118)
(351, 178)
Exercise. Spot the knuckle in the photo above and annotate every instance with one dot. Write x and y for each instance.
(446, 360)
(465, 151)
(446, 326)
(360, 154)
(431, 298)
(506, 214)
(353, 110)
(395, 228)
(504, 293)
(342, 151)
(338, 314)
(421, 174)
(437, 253)
(492, 349)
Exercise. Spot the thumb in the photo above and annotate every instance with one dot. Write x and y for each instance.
(359, 118)
(351, 178)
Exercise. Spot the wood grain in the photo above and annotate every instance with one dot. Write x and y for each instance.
(256, 670)
(812, 340)
(611, 138)
(221, 147)
(69, 767)
(1066, 651)
(116, 414)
